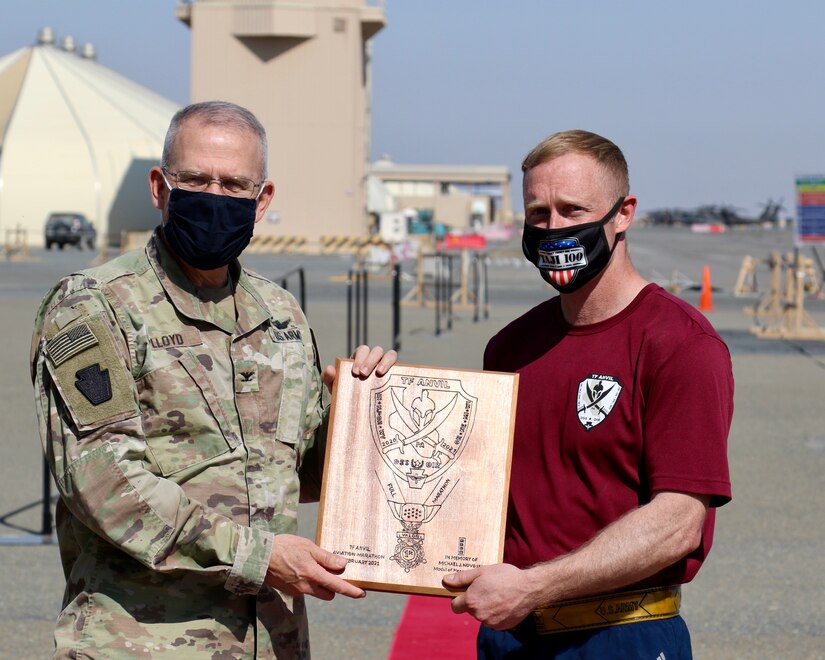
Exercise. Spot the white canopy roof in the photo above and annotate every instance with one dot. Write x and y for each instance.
(76, 136)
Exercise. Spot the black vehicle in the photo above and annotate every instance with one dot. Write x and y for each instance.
(69, 229)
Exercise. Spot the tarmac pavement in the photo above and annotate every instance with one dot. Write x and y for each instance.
(759, 595)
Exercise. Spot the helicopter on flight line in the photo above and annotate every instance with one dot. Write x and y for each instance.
(715, 214)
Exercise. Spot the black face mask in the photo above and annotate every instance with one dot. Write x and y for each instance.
(208, 231)
(568, 258)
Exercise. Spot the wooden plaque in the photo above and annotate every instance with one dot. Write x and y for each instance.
(417, 473)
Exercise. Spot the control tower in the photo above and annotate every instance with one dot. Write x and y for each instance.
(303, 67)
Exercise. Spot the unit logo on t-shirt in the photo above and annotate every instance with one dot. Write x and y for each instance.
(596, 398)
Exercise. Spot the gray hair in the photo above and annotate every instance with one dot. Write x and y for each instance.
(219, 113)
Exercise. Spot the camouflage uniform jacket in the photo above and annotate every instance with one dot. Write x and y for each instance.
(179, 439)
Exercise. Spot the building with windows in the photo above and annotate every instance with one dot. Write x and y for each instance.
(457, 196)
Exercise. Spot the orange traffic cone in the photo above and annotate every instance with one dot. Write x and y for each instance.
(706, 296)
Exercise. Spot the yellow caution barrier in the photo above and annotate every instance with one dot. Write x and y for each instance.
(277, 244)
(347, 244)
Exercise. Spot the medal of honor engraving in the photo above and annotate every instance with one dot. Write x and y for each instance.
(417, 473)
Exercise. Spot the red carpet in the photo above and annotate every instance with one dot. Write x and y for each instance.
(429, 630)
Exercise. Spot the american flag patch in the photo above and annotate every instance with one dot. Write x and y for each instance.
(70, 343)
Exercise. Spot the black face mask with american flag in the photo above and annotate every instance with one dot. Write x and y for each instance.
(569, 257)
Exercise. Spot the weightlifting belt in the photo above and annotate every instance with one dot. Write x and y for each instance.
(606, 610)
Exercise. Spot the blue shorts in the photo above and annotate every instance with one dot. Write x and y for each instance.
(665, 639)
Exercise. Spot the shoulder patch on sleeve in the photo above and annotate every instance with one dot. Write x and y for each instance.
(90, 375)
(66, 345)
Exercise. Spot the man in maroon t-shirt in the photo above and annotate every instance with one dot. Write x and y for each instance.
(620, 453)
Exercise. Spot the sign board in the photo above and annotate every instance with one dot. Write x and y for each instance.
(810, 215)
(417, 474)
(465, 242)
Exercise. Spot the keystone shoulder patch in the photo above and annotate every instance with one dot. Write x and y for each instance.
(595, 399)
(94, 383)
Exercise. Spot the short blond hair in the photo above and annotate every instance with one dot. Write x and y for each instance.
(607, 154)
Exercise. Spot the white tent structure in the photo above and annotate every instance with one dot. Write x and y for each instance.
(75, 137)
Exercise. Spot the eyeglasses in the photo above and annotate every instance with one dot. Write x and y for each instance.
(234, 186)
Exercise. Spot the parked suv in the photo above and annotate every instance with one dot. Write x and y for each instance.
(69, 229)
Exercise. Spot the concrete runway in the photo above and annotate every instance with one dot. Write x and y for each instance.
(760, 594)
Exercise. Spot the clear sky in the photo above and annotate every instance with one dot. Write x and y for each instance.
(712, 101)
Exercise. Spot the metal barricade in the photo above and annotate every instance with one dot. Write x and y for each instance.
(482, 303)
(357, 283)
(358, 308)
(396, 307)
(283, 280)
(439, 283)
(45, 535)
(443, 286)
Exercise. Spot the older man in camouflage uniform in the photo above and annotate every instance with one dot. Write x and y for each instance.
(181, 409)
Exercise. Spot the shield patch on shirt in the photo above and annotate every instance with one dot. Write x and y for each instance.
(595, 399)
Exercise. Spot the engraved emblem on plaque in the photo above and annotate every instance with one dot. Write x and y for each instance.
(420, 426)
